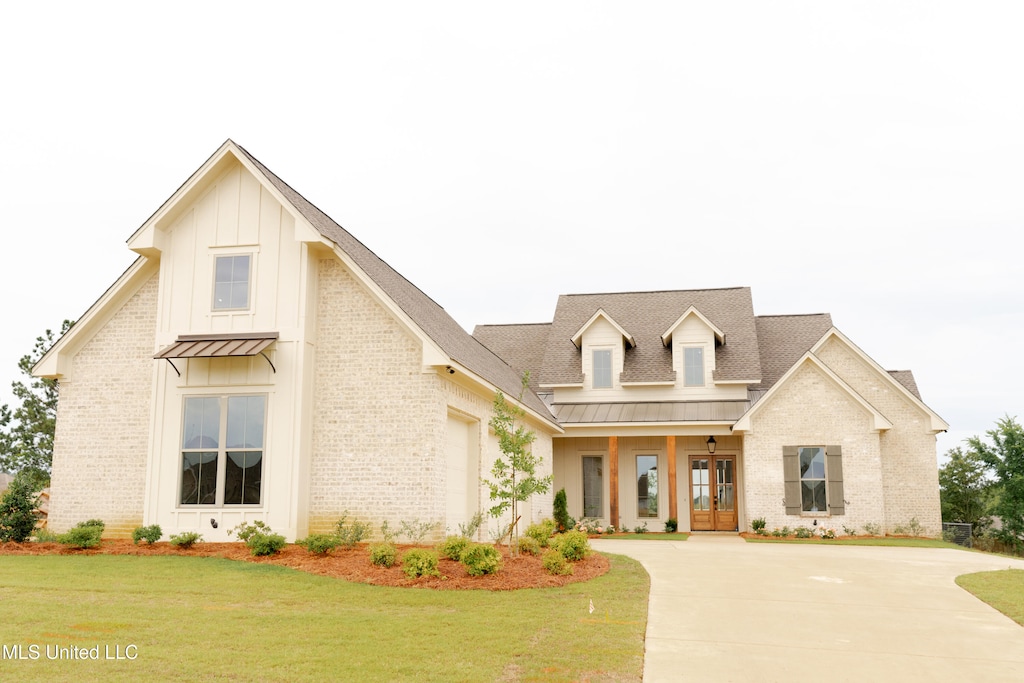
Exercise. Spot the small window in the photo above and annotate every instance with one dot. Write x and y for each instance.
(812, 479)
(693, 360)
(602, 369)
(646, 486)
(222, 450)
(231, 282)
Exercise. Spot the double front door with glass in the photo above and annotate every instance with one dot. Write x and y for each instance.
(713, 493)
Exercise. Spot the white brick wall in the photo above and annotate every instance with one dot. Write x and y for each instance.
(99, 458)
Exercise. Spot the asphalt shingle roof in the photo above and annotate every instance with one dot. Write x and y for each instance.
(424, 311)
(521, 346)
(784, 339)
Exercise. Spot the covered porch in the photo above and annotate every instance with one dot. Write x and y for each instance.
(635, 480)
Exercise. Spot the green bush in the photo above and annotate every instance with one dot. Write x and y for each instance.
(469, 529)
(420, 562)
(99, 523)
(383, 554)
(18, 511)
(573, 545)
(186, 539)
(542, 531)
(640, 529)
(150, 534)
(45, 536)
(452, 546)
(529, 544)
(671, 525)
(351, 533)
(560, 511)
(555, 562)
(265, 544)
(415, 531)
(481, 559)
(319, 544)
(872, 529)
(81, 537)
(757, 525)
(803, 532)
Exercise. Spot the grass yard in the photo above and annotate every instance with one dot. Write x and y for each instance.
(214, 619)
(1003, 590)
(650, 536)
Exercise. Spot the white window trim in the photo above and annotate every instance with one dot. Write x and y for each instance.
(823, 479)
(703, 366)
(593, 367)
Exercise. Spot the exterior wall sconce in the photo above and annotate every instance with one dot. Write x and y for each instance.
(712, 445)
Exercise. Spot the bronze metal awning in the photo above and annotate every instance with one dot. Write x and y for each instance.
(219, 346)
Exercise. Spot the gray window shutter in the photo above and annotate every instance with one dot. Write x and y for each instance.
(791, 474)
(834, 471)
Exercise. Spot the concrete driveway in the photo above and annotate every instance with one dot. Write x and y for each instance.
(722, 609)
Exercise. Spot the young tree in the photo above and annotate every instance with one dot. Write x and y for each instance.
(18, 510)
(1006, 457)
(965, 489)
(26, 433)
(515, 471)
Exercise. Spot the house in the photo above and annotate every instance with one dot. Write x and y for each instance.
(686, 405)
(257, 362)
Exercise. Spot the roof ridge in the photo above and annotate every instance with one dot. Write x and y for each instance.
(509, 324)
(792, 315)
(659, 291)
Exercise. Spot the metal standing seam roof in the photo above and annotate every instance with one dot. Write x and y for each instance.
(218, 346)
(650, 412)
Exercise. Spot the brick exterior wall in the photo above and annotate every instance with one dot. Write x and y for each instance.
(811, 410)
(101, 441)
(910, 476)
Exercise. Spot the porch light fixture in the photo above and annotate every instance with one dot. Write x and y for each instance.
(712, 445)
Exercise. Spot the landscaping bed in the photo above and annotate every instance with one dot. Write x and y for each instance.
(523, 571)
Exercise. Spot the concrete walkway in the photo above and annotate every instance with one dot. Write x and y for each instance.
(722, 609)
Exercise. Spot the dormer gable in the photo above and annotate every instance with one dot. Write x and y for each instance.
(666, 338)
(577, 339)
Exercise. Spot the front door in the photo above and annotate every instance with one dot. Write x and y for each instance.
(713, 493)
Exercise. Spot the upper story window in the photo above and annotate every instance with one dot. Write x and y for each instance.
(602, 369)
(693, 360)
(231, 282)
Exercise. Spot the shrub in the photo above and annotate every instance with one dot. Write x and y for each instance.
(560, 511)
(82, 537)
(186, 539)
(150, 534)
(349, 534)
(99, 523)
(542, 531)
(416, 530)
(555, 562)
(573, 545)
(872, 529)
(828, 533)
(383, 554)
(259, 537)
(420, 562)
(18, 511)
(452, 546)
(45, 536)
(671, 525)
(849, 531)
(803, 532)
(757, 525)
(640, 529)
(914, 527)
(529, 544)
(469, 529)
(319, 544)
(949, 536)
(481, 559)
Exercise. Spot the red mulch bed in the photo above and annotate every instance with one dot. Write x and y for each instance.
(524, 571)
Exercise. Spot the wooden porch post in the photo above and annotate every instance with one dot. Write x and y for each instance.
(670, 447)
(613, 480)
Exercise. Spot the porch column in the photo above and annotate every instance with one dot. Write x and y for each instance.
(613, 480)
(670, 449)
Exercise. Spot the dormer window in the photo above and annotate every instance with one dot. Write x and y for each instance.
(231, 282)
(693, 360)
(602, 369)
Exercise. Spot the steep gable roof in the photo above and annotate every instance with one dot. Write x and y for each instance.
(521, 346)
(647, 315)
(783, 339)
(424, 311)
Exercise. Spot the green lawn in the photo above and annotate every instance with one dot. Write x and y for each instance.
(678, 536)
(213, 619)
(1003, 589)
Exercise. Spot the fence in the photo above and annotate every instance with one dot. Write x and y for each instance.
(961, 533)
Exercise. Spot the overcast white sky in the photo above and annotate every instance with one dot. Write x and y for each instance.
(864, 159)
